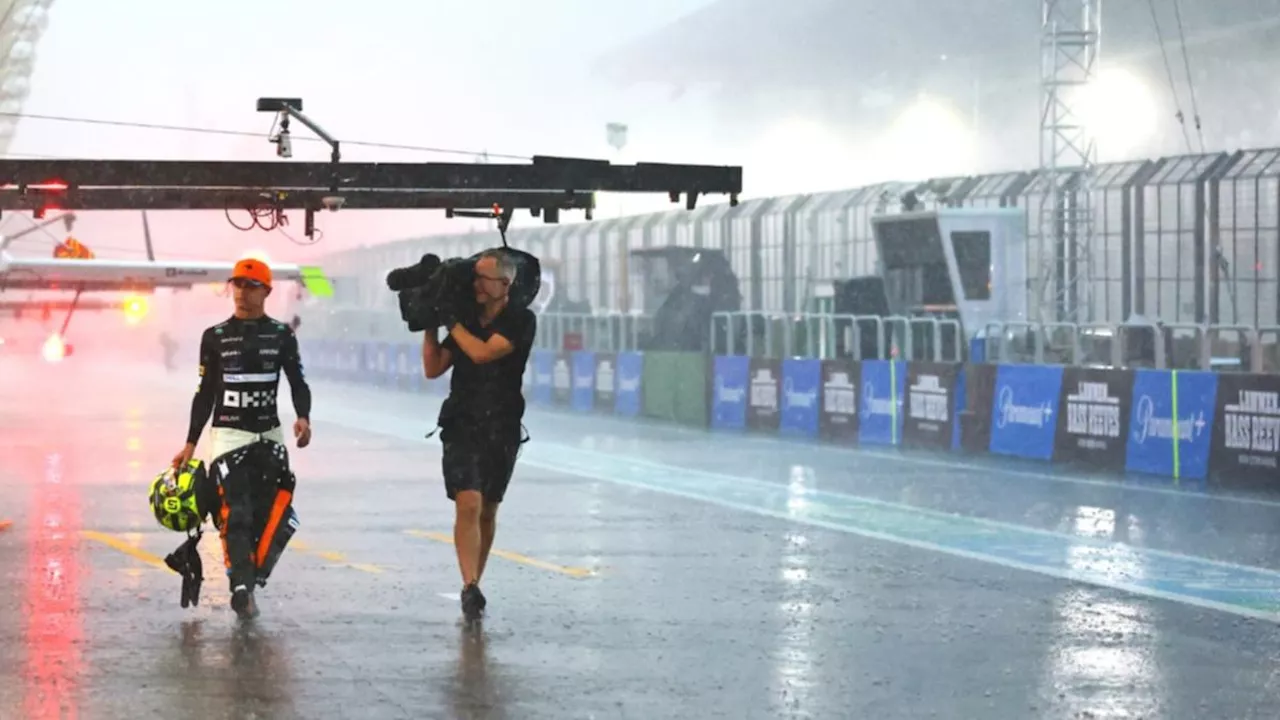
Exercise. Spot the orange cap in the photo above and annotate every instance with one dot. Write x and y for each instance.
(253, 269)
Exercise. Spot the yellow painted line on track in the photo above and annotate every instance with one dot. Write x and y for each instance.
(508, 555)
(131, 549)
(125, 547)
(336, 558)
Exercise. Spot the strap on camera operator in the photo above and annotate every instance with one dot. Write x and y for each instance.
(488, 346)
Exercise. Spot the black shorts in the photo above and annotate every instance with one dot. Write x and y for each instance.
(484, 465)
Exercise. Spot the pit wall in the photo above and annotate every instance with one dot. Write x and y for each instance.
(1227, 425)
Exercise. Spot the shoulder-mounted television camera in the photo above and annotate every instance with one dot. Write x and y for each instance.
(432, 290)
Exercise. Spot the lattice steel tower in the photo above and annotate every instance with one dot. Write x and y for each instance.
(1070, 37)
(22, 22)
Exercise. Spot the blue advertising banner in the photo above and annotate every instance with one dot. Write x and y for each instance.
(344, 359)
(370, 374)
(326, 358)
(386, 364)
(367, 363)
(313, 357)
(883, 385)
(1169, 404)
(1024, 410)
(404, 370)
(419, 382)
(354, 368)
(583, 396)
(801, 408)
(729, 392)
(962, 398)
(543, 363)
(630, 374)
(438, 386)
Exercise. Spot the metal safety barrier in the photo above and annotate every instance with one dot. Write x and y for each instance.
(1135, 344)
(601, 332)
(835, 335)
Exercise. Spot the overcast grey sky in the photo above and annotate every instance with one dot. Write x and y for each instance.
(513, 76)
(503, 75)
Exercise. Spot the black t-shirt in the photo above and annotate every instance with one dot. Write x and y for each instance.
(491, 395)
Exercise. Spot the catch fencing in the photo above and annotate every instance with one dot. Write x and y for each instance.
(1185, 239)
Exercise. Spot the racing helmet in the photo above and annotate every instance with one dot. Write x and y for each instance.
(175, 496)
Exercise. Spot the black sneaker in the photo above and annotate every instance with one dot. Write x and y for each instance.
(473, 602)
(242, 602)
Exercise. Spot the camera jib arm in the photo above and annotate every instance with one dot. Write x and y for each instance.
(545, 186)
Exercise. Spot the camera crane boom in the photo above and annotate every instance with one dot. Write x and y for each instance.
(544, 186)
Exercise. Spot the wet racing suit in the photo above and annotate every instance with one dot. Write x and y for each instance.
(240, 365)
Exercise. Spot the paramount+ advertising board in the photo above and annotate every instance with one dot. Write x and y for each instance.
(1246, 436)
(881, 404)
(729, 392)
(930, 405)
(801, 397)
(543, 365)
(1023, 409)
(582, 396)
(628, 384)
(1093, 417)
(1167, 405)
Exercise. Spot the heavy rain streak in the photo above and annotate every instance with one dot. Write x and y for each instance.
(668, 359)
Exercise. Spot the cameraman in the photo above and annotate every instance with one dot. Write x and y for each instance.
(480, 420)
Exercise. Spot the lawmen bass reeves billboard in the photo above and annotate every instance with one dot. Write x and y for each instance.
(839, 418)
(1093, 417)
(930, 406)
(1246, 434)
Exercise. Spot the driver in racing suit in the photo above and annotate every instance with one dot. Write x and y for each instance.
(240, 364)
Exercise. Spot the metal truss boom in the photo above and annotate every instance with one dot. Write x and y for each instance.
(1071, 32)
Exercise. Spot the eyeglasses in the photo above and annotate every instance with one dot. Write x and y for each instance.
(242, 283)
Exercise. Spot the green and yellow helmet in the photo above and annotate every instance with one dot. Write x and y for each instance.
(174, 497)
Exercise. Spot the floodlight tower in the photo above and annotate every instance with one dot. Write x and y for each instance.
(22, 22)
(1070, 39)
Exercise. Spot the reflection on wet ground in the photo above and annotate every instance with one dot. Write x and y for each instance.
(646, 571)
